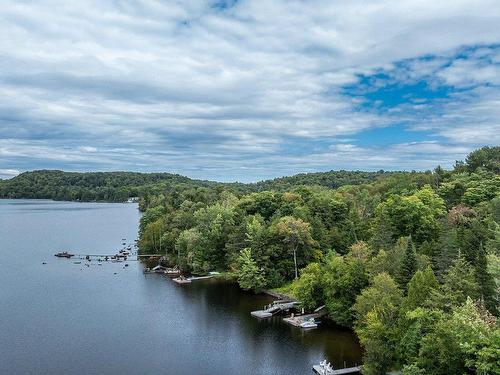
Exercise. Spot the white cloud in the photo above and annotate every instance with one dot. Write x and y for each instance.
(187, 87)
(8, 173)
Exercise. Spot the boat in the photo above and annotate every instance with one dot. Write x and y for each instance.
(182, 280)
(64, 254)
(172, 272)
(307, 324)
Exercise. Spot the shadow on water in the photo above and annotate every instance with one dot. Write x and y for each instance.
(339, 345)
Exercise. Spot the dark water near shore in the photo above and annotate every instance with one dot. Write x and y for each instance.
(64, 318)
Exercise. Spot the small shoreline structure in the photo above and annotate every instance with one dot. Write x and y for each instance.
(306, 321)
(128, 251)
(174, 271)
(64, 254)
(274, 308)
(325, 368)
(187, 280)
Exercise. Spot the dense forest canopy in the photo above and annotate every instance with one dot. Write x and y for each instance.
(119, 186)
(410, 261)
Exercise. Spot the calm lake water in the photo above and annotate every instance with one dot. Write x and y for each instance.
(66, 318)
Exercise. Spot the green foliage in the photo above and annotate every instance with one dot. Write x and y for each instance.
(249, 275)
(408, 265)
(376, 310)
(94, 186)
(459, 284)
(487, 158)
(351, 245)
(414, 215)
(309, 289)
(296, 235)
(420, 289)
(464, 341)
(345, 278)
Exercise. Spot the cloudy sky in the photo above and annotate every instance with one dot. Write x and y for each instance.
(246, 90)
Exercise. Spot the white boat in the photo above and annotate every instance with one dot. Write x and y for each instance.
(309, 324)
(182, 280)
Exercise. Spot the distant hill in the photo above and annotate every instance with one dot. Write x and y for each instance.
(119, 186)
(331, 179)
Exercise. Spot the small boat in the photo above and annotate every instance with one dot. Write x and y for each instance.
(307, 324)
(182, 280)
(64, 254)
(172, 272)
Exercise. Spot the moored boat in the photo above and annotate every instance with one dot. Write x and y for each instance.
(307, 324)
(64, 254)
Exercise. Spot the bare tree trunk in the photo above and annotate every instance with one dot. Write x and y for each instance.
(295, 262)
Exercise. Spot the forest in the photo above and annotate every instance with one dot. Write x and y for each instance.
(409, 261)
(119, 186)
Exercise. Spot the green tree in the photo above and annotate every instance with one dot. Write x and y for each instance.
(461, 342)
(309, 288)
(408, 265)
(416, 215)
(189, 246)
(486, 157)
(459, 283)
(421, 288)
(377, 313)
(295, 233)
(344, 278)
(249, 275)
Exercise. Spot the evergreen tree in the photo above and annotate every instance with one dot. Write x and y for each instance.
(408, 266)
(486, 283)
(420, 289)
(249, 275)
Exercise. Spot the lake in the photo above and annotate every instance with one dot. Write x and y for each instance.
(66, 318)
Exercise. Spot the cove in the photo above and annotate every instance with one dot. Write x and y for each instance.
(66, 318)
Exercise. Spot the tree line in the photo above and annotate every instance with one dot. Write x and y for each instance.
(410, 261)
(119, 186)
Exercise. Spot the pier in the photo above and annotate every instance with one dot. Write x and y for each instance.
(299, 320)
(325, 368)
(188, 280)
(274, 308)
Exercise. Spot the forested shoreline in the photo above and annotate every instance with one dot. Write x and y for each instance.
(120, 186)
(410, 261)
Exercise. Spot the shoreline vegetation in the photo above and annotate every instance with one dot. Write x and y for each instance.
(409, 261)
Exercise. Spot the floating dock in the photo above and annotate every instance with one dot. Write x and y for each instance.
(323, 370)
(188, 280)
(298, 320)
(274, 308)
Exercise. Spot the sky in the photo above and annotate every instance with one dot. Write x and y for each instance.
(246, 90)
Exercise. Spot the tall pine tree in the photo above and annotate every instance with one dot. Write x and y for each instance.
(485, 281)
(408, 266)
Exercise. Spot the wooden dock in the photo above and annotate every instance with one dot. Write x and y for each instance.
(299, 319)
(274, 308)
(188, 280)
(318, 369)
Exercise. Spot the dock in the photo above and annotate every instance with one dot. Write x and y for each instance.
(326, 369)
(274, 308)
(188, 280)
(297, 320)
